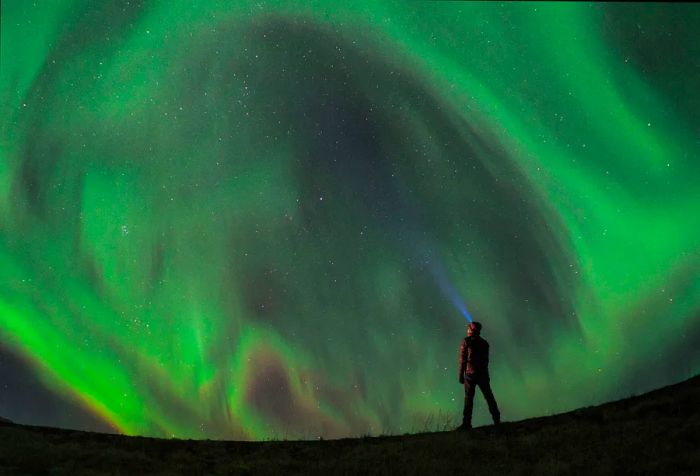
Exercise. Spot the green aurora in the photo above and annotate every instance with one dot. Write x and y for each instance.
(236, 219)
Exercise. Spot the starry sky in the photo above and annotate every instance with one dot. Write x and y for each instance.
(260, 220)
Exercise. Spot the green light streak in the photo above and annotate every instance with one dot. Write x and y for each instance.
(207, 212)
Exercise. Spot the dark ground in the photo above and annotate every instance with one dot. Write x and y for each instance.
(656, 433)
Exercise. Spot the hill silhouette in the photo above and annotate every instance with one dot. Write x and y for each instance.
(655, 433)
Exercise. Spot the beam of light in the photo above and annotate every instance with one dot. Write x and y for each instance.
(447, 288)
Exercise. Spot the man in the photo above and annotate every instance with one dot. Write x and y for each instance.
(473, 372)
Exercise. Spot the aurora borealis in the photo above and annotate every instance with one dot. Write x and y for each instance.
(257, 219)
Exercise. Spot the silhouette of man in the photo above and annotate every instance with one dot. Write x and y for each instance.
(473, 372)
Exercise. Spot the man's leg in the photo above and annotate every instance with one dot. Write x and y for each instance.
(485, 387)
(469, 391)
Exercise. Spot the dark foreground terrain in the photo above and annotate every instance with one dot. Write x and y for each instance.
(656, 433)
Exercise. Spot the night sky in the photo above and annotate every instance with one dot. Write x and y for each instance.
(262, 220)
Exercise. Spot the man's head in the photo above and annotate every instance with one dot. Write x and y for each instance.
(474, 329)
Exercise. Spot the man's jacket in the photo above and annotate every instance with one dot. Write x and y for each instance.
(474, 357)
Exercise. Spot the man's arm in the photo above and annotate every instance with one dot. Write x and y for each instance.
(462, 360)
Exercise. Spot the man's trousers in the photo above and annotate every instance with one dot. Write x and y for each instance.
(470, 384)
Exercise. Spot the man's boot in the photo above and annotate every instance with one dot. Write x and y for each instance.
(464, 426)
